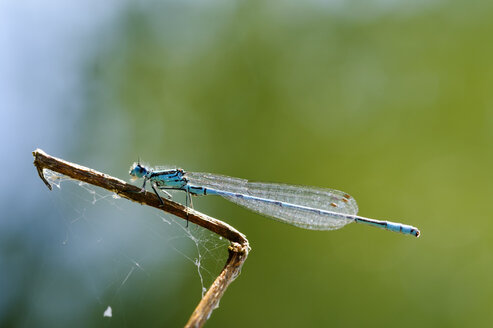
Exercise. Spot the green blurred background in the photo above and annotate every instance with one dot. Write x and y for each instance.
(390, 101)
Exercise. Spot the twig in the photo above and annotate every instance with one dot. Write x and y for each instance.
(238, 250)
(237, 256)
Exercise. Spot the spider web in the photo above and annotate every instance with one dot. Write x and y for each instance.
(122, 246)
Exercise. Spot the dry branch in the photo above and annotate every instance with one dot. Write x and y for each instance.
(238, 250)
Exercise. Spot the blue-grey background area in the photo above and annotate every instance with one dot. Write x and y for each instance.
(390, 101)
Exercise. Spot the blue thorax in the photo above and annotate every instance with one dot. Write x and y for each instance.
(172, 178)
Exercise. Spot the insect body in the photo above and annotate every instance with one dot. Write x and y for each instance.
(305, 207)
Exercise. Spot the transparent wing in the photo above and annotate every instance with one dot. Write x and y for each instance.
(163, 167)
(307, 197)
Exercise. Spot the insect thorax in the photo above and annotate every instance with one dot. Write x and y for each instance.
(169, 178)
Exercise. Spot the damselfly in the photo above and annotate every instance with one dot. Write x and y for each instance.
(304, 207)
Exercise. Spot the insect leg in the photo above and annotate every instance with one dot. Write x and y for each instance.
(155, 191)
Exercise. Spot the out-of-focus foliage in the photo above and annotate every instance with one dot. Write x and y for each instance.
(390, 101)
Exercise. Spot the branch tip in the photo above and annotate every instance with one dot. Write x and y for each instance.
(40, 169)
